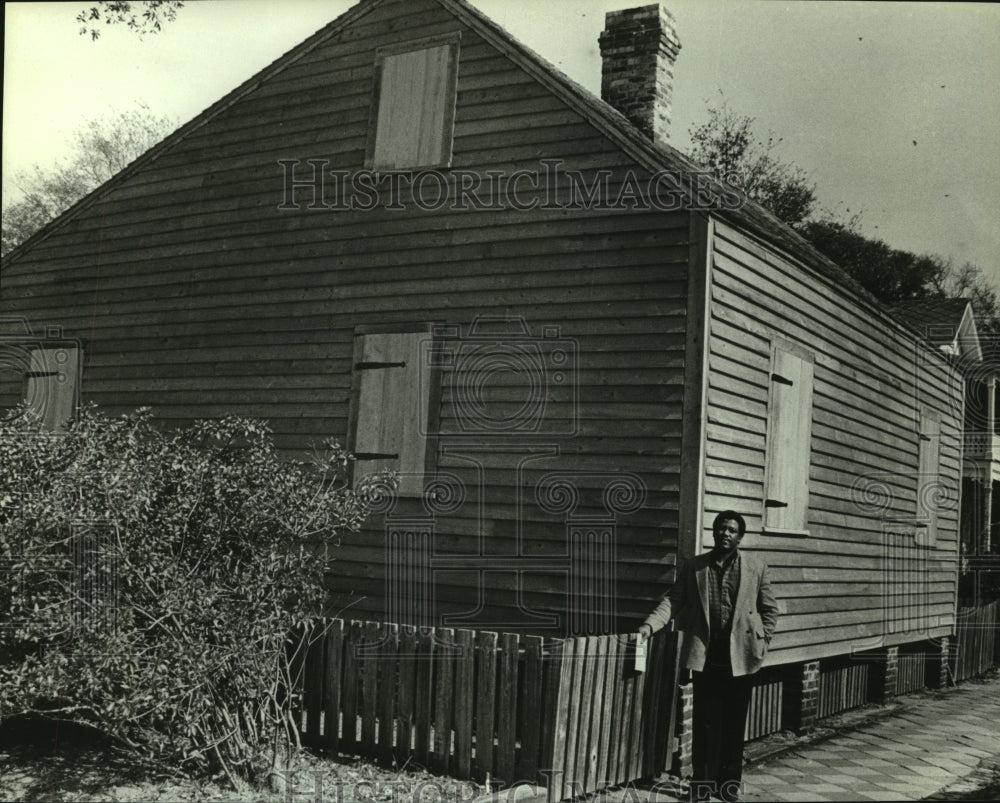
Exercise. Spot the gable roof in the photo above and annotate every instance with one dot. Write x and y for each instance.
(933, 314)
(604, 117)
(278, 65)
(947, 323)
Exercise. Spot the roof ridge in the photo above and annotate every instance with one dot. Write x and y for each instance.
(759, 220)
(651, 155)
(283, 61)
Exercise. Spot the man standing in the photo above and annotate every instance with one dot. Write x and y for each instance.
(726, 614)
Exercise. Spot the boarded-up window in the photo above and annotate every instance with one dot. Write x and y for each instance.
(391, 406)
(415, 107)
(929, 490)
(789, 434)
(52, 387)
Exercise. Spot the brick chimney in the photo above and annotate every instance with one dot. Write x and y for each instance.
(638, 49)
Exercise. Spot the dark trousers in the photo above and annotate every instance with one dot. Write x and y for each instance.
(721, 702)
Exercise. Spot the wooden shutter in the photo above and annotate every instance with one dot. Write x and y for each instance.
(416, 93)
(53, 381)
(928, 478)
(392, 404)
(789, 434)
(14, 361)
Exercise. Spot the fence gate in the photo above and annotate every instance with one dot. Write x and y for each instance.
(574, 715)
(610, 723)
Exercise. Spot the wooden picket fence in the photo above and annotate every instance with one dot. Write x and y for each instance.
(610, 723)
(573, 715)
(977, 647)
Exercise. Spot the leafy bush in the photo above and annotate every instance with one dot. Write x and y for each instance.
(154, 581)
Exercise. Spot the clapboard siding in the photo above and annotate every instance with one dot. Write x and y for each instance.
(199, 360)
(337, 231)
(648, 266)
(314, 300)
(198, 297)
(357, 273)
(846, 581)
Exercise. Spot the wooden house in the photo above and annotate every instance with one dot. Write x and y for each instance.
(413, 234)
(951, 327)
(981, 474)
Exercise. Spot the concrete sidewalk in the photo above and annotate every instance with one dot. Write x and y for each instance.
(928, 743)
(923, 743)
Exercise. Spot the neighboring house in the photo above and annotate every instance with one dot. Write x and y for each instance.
(981, 464)
(951, 327)
(981, 467)
(573, 366)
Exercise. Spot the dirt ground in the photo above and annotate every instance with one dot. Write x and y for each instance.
(67, 766)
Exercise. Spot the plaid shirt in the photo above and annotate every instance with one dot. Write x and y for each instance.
(723, 585)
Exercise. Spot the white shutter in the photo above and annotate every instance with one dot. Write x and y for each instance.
(928, 478)
(416, 108)
(392, 407)
(789, 435)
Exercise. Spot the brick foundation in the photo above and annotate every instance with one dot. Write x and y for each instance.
(809, 697)
(685, 732)
(884, 678)
(801, 697)
(937, 663)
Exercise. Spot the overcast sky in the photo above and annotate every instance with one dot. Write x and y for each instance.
(849, 86)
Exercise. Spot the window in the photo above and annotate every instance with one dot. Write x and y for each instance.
(391, 406)
(414, 105)
(788, 446)
(53, 380)
(929, 489)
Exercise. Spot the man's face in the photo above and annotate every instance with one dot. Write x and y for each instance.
(727, 535)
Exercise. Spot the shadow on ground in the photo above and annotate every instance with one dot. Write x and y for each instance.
(45, 760)
(983, 784)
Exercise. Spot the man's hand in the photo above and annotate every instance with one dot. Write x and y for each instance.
(644, 631)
